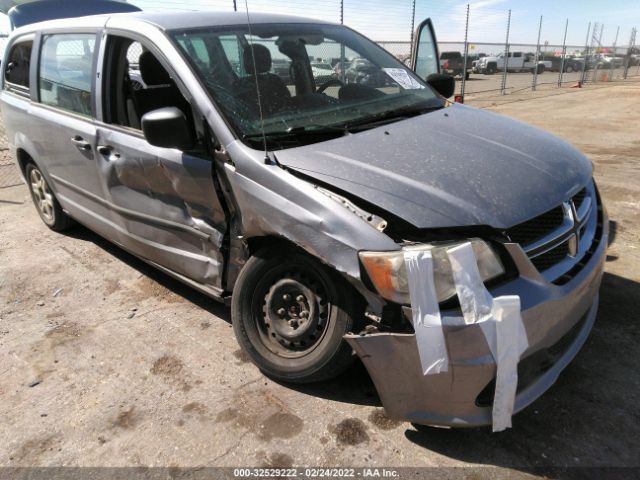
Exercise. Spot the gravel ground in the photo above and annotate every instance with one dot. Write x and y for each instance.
(106, 362)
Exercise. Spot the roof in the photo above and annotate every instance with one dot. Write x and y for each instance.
(172, 20)
(209, 18)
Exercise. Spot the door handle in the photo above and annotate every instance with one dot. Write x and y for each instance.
(107, 151)
(81, 143)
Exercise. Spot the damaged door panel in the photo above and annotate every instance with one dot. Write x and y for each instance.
(166, 204)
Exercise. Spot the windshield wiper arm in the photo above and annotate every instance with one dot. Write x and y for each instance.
(388, 116)
(299, 131)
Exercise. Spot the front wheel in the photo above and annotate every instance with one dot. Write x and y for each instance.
(45, 201)
(289, 314)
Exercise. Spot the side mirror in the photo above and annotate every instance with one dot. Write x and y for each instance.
(168, 128)
(442, 83)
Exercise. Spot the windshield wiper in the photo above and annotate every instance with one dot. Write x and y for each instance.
(389, 116)
(299, 131)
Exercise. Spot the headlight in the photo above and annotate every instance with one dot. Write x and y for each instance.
(388, 272)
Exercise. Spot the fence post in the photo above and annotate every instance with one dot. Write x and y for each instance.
(632, 41)
(586, 56)
(341, 12)
(599, 43)
(235, 7)
(537, 57)
(413, 20)
(503, 86)
(466, 55)
(615, 43)
(564, 53)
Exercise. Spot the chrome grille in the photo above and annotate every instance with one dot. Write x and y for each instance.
(557, 240)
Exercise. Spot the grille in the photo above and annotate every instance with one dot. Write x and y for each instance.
(552, 257)
(579, 197)
(554, 228)
(536, 228)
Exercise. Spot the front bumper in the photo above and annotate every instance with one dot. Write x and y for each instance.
(557, 318)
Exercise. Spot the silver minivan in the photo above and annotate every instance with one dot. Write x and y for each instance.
(293, 199)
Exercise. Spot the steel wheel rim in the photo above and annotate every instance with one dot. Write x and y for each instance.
(294, 312)
(42, 195)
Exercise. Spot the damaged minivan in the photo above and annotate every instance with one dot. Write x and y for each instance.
(302, 200)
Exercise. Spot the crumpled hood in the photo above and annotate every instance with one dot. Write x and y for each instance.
(457, 166)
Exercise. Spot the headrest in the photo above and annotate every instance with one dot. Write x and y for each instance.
(262, 59)
(152, 71)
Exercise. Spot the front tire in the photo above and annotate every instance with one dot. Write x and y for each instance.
(45, 201)
(289, 314)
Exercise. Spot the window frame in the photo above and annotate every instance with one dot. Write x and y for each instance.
(17, 89)
(35, 92)
(104, 76)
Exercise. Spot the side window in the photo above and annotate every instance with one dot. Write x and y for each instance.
(136, 83)
(425, 60)
(517, 54)
(66, 63)
(17, 72)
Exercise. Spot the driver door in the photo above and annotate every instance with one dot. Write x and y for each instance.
(424, 51)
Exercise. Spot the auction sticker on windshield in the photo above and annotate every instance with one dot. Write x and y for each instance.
(402, 78)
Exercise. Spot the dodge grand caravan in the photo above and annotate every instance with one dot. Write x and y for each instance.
(293, 199)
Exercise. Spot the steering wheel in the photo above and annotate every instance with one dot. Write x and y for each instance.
(332, 82)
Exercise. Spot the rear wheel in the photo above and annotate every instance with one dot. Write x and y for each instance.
(290, 313)
(569, 69)
(45, 201)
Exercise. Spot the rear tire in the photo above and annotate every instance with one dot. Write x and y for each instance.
(289, 314)
(45, 201)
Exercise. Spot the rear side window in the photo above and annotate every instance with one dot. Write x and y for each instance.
(17, 72)
(66, 66)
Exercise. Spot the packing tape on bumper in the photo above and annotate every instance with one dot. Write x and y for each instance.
(499, 318)
(427, 323)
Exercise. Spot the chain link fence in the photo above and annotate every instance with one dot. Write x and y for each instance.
(524, 61)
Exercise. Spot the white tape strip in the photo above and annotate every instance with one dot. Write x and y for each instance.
(427, 323)
(511, 342)
(501, 324)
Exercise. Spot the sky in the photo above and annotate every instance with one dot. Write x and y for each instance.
(390, 20)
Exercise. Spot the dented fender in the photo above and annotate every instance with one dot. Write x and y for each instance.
(270, 201)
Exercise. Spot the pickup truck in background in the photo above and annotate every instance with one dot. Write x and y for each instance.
(453, 64)
(516, 62)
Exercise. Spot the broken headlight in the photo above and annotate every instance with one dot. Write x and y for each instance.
(388, 272)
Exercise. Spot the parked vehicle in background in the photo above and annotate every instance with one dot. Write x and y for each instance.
(453, 64)
(322, 72)
(571, 63)
(516, 62)
(363, 71)
(473, 60)
(340, 68)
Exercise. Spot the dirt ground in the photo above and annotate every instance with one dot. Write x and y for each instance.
(106, 362)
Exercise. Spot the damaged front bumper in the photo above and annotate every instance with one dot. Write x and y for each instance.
(557, 318)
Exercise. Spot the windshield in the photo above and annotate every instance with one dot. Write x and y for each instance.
(313, 81)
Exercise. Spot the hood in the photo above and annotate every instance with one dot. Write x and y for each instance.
(457, 166)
